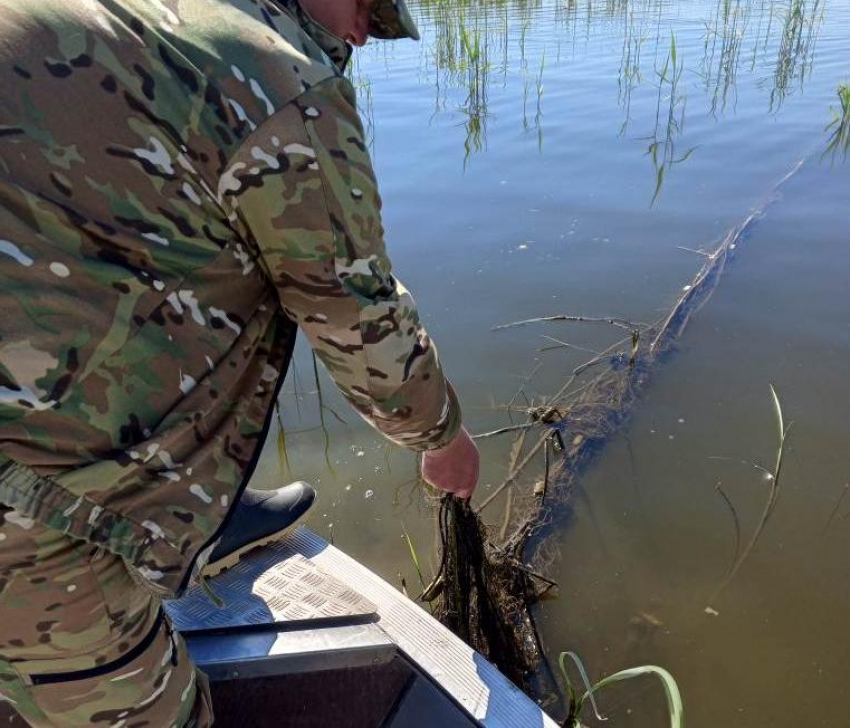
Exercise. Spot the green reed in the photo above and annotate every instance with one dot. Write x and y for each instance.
(577, 702)
(839, 139)
(669, 118)
(796, 47)
(774, 477)
(472, 45)
(724, 41)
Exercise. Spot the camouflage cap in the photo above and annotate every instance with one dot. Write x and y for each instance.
(391, 19)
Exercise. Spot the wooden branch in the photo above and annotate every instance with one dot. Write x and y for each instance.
(504, 430)
(610, 321)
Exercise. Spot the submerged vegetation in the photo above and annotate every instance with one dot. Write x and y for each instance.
(578, 701)
(773, 476)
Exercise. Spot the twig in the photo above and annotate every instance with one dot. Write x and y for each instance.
(526, 382)
(580, 369)
(322, 424)
(516, 451)
(756, 466)
(698, 252)
(534, 574)
(564, 345)
(584, 367)
(514, 473)
(546, 463)
(611, 321)
(503, 430)
(506, 519)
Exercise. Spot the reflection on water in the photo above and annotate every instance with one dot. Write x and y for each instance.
(547, 158)
(797, 42)
(469, 48)
(669, 117)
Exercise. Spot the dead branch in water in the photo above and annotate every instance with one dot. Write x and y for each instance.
(702, 286)
(611, 321)
(596, 408)
(487, 587)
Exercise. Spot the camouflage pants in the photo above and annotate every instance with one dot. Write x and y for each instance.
(81, 644)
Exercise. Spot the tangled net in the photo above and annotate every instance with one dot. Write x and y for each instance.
(487, 592)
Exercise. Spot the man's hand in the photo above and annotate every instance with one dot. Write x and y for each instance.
(454, 467)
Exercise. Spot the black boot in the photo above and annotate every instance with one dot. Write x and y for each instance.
(260, 518)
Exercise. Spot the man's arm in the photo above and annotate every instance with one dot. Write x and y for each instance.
(305, 194)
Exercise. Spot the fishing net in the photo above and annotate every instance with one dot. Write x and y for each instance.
(487, 593)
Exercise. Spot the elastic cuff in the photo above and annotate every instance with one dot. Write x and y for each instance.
(449, 431)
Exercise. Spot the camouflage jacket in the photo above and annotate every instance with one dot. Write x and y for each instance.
(181, 183)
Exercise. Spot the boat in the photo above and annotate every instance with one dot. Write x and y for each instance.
(301, 635)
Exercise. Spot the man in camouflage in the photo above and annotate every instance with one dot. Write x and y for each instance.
(182, 184)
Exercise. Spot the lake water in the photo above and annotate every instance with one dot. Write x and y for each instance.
(556, 161)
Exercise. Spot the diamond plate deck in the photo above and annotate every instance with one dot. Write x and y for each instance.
(273, 585)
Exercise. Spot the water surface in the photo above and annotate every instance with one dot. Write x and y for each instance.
(546, 157)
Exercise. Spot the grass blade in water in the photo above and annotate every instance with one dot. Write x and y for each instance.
(671, 689)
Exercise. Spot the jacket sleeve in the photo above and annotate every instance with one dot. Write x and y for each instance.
(302, 191)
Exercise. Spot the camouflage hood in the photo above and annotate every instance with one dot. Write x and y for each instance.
(391, 19)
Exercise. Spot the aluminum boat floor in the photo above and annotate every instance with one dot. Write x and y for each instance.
(273, 585)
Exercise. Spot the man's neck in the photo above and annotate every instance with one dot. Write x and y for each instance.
(335, 47)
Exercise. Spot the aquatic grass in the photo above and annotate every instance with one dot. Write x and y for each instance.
(839, 140)
(728, 28)
(476, 64)
(322, 424)
(466, 42)
(675, 707)
(629, 76)
(414, 559)
(538, 119)
(282, 455)
(836, 508)
(662, 146)
(296, 389)
(796, 47)
(774, 477)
